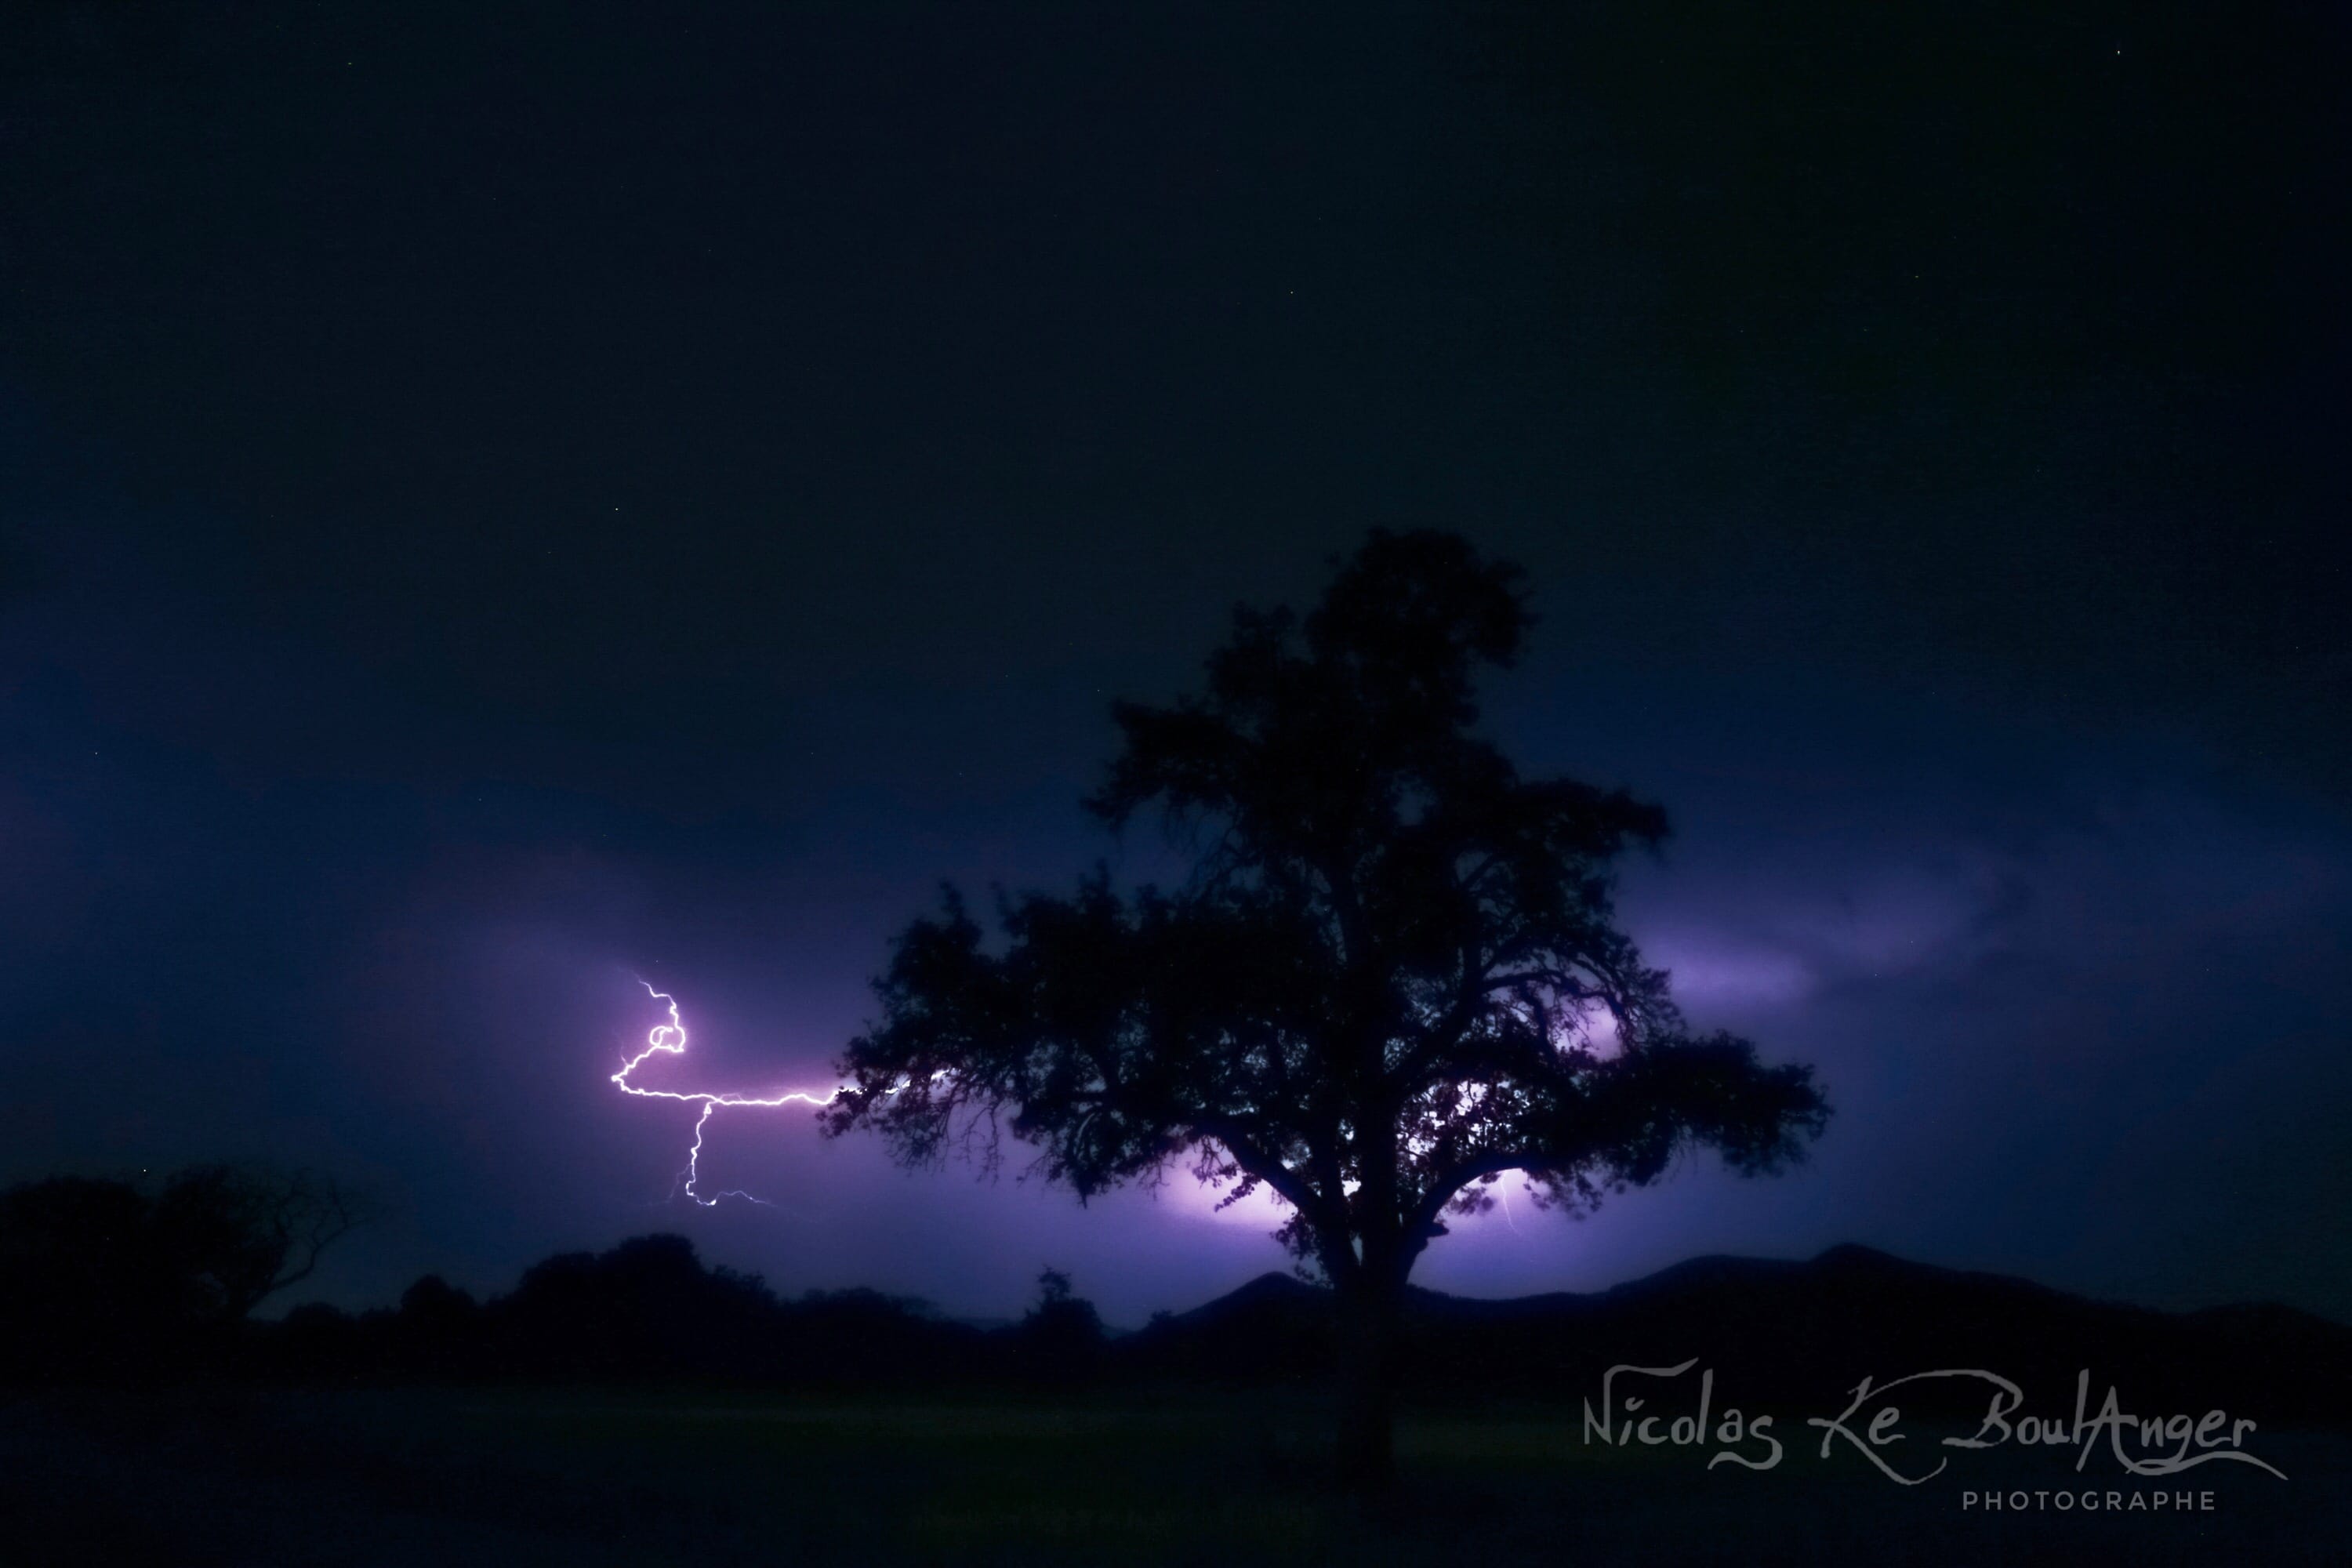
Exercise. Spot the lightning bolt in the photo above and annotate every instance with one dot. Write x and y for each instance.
(669, 1040)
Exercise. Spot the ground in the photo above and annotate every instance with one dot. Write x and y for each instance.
(460, 1477)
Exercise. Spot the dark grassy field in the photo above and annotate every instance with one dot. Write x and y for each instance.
(589, 1477)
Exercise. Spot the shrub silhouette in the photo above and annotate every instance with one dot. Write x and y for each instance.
(1061, 1341)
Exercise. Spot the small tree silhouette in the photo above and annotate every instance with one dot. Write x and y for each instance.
(239, 1235)
(105, 1279)
(1393, 974)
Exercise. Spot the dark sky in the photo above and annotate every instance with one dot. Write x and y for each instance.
(501, 499)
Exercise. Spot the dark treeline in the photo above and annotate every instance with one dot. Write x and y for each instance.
(130, 1283)
(647, 1308)
(112, 1282)
(650, 1309)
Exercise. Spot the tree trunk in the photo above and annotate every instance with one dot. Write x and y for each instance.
(1368, 1368)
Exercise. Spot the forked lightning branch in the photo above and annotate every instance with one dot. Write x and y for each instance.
(669, 1039)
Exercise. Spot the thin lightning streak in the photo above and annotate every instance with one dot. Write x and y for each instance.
(669, 1039)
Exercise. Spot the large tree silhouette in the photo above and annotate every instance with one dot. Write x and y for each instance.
(1393, 975)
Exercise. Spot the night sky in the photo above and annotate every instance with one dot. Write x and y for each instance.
(496, 501)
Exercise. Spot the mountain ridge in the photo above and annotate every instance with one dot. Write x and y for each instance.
(1790, 1328)
(1277, 1283)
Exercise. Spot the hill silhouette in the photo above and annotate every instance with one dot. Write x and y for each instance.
(1796, 1330)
